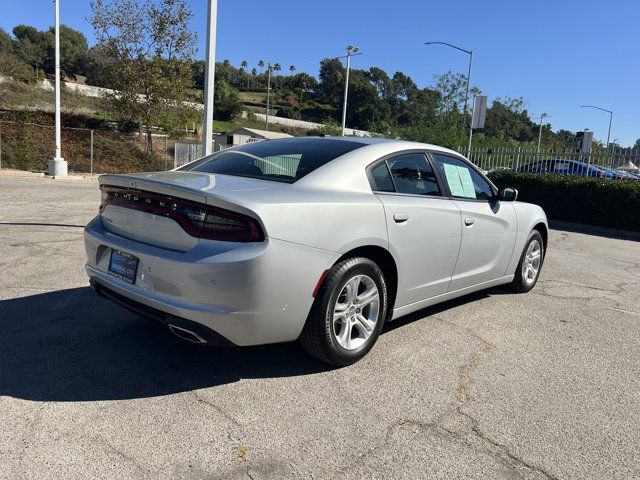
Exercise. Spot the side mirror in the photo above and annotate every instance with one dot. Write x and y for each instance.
(508, 195)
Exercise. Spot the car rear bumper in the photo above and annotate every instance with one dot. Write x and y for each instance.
(199, 332)
(248, 294)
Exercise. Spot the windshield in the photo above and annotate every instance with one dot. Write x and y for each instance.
(282, 160)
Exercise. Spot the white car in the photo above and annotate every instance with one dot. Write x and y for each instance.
(317, 239)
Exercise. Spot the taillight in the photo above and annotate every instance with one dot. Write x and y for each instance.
(219, 224)
(197, 219)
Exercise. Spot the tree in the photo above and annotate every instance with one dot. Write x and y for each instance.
(276, 68)
(292, 68)
(31, 45)
(636, 146)
(73, 52)
(6, 43)
(149, 44)
(244, 64)
(227, 103)
(261, 65)
(331, 80)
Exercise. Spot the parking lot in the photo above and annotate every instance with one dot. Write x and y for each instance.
(494, 385)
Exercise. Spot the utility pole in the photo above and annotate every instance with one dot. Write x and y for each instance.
(57, 165)
(209, 77)
(466, 97)
(351, 50)
(610, 112)
(542, 117)
(266, 117)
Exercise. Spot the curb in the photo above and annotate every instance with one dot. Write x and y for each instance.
(594, 230)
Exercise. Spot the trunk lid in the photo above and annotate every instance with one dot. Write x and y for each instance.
(216, 190)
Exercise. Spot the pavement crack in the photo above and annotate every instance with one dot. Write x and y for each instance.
(486, 346)
(217, 408)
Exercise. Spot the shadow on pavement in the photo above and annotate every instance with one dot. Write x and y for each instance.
(72, 345)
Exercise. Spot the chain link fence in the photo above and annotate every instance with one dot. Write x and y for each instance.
(29, 146)
(617, 163)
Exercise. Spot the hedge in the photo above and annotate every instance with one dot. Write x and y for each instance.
(572, 198)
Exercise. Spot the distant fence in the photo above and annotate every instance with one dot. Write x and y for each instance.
(185, 152)
(29, 146)
(616, 163)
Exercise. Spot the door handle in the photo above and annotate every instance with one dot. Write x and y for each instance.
(400, 217)
(468, 221)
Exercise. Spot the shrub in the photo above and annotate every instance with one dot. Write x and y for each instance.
(572, 198)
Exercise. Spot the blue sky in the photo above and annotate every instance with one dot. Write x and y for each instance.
(557, 54)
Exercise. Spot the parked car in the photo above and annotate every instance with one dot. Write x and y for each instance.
(317, 239)
(565, 167)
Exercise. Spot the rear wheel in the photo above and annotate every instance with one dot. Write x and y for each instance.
(530, 264)
(348, 313)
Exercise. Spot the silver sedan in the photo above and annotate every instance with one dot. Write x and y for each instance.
(322, 240)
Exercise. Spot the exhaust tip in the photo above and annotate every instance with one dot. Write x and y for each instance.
(187, 335)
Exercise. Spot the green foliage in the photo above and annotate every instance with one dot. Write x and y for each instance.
(572, 198)
(149, 45)
(6, 43)
(12, 66)
(32, 46)
(73, 52)
(227, 103)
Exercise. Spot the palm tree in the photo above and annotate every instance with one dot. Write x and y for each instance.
(226, 62)
(243, 68)
(276, 68)
(261, 65)
(292, 68)
(254, 72)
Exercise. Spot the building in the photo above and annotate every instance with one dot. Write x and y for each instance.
(246, 135)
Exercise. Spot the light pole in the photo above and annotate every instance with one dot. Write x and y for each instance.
(209, 77)
(266, 117)
(466, 97)
(57, 165)
(610, 119)
(542, 117)
(351, 50)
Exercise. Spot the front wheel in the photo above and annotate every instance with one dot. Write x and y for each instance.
(348, 313)
(530, 264)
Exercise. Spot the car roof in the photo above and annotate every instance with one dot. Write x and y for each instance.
(366, 141)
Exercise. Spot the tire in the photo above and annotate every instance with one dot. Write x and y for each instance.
(351, 336)
(524, 279)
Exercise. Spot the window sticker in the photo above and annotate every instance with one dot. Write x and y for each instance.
(453, 180)
(459, 181)
(467, 183)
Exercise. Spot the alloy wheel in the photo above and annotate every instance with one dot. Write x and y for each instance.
(356, 312)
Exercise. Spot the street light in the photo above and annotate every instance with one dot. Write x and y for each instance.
(266, 116)
(209, 77)
(610, 119)
(351, 50)
(57, 165)
(466, 97)
(542, 117)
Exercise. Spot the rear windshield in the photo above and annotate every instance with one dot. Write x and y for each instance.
(282, 160)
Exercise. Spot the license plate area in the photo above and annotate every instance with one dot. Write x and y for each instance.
(123, 265)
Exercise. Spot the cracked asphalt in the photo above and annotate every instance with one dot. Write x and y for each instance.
(494, 385)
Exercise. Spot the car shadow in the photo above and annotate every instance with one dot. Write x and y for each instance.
(72, 345)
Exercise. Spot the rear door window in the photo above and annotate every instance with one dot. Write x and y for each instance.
(381, 178)
(412, 174)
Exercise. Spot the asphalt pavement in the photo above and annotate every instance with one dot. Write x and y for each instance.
(543, 385)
